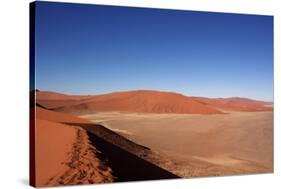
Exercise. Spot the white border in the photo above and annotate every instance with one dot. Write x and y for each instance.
(14, 92)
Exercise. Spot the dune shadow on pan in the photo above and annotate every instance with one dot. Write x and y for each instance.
(125, 165)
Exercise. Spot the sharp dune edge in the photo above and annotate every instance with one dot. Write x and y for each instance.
(64, 155)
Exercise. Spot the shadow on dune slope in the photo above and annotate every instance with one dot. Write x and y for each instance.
(123, 155)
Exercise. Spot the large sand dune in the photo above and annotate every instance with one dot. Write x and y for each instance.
(146, 102)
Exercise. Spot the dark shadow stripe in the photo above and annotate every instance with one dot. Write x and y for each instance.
(126, 166)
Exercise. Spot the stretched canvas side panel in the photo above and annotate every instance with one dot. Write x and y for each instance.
(32, 95)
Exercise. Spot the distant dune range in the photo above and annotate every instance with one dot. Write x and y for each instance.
(236, 104)
(146, 101)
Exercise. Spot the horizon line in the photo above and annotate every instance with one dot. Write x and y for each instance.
(155, 90)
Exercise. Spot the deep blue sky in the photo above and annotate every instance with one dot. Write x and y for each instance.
(88, 49)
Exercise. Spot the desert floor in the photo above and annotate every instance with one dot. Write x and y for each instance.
(200, 145)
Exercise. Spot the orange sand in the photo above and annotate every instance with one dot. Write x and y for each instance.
(62, 152)
(146, 101)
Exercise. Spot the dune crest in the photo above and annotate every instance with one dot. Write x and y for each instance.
(148, 101)
(132, 101)
(64, 154)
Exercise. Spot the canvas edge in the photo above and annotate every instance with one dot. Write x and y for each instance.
(32, 166)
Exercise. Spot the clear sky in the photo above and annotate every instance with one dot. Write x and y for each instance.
(88, 49)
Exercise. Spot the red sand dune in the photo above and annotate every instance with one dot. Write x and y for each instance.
(236, 104)
(134, 101)
(59, 148)
(44, 114)
(147, 102)
(46, 95)
(52, 100)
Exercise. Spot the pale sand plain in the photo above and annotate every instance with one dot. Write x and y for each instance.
(200, 145)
